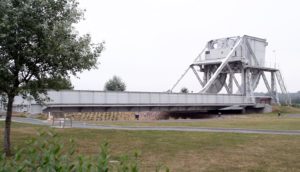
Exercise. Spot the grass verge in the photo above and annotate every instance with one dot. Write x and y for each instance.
(269, 121)
(183, 151)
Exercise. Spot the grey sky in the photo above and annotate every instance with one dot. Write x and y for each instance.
(149, 43)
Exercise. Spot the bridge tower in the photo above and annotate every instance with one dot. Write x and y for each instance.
(236, 64)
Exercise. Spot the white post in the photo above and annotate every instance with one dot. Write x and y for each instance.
(49, 116)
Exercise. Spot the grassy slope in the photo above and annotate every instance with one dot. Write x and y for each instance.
(250, 122)
(286, 109)
(185, 151)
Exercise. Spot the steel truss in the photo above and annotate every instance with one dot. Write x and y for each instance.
(215, 74)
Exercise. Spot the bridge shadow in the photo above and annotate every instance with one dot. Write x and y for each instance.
(201, 115)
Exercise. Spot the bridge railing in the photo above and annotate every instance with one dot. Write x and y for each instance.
(141, 98)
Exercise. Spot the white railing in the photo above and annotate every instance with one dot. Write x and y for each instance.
(69, 97)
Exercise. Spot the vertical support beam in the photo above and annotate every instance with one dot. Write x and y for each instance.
(243, 81)
(205, 75)
(273, 87)
(230, 85)
(248, 85)
(209, 74)
(234, 79)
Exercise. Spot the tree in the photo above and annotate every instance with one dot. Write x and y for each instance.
(115, 84)
(184, 90)
(58, 83)
(39, 48)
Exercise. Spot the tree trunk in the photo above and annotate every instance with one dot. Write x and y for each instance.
(7, 126)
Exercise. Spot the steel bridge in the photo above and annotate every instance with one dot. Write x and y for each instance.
(234, 65)
(102, 101)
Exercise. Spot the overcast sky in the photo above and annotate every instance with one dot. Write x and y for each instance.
(149, 43)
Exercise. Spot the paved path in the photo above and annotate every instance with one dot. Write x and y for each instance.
(77, 124)
(293, 115)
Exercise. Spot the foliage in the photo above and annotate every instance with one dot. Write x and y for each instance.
(47, 153)
(38, 45)
(115, 84)
(59, 83)
(184, 90)
(286, 109)
(40, 49)
(295, 97)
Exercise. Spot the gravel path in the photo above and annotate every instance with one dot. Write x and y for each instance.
(77, 124)
(293, 115)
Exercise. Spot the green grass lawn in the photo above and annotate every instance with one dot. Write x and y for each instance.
(183, 151)
(269, 121)
(250, 121)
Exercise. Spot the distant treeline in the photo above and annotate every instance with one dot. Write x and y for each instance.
(295, 97)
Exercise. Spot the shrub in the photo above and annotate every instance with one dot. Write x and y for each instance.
(184, 90)
(47, 153)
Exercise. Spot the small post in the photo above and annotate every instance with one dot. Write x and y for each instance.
(49, 115)
(219, 114)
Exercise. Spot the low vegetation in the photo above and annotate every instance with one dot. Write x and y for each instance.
(180, 151)
(47, 153)
(286, 109)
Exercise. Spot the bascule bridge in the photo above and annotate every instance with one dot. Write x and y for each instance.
(228, 71)
(224, 60)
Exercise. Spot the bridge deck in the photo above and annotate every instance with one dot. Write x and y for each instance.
(77, 100)
(102, 98)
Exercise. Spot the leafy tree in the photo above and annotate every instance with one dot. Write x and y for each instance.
(38, 45)
(59, 83)
(184, 90)
(115, 84)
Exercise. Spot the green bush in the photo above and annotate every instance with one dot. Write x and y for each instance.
(47, 153)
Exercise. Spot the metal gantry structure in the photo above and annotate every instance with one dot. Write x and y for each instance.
(236, 64)
(228, 70)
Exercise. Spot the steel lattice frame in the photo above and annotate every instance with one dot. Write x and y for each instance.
(214, 75)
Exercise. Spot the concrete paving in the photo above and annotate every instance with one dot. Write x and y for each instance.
(77, 124)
